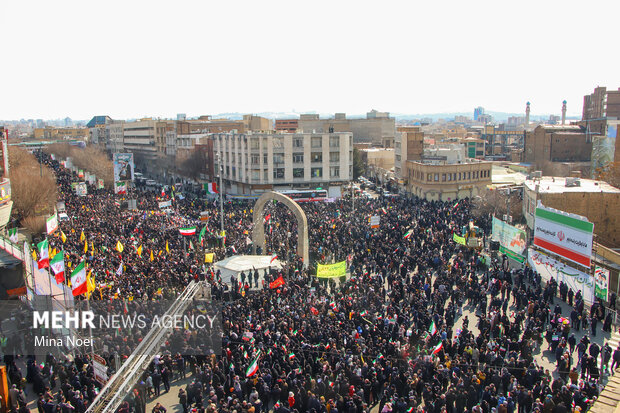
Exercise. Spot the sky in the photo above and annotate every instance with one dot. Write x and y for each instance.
(133, 58)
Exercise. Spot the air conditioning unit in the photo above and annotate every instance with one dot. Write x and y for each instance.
(537, 174)
(572, 182)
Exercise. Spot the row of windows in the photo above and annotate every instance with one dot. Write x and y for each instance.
(334, 172)
(298, 157)
(452, 177)
(298, 142)
(278, 173)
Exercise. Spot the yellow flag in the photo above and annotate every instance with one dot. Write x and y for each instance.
(82, 236)
(139, 251)
(63, 237)
(209, 257)
(52, 253)
(34, 255)
(160, 252)
(167, 249)
(152, 258)
(119, 246)
(85, 247)
(90, 284)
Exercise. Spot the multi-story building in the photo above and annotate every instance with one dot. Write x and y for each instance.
(60, 133)
(595, 200)
(287, 125)
(257, 123)
(549, 144)
(601, 104)
(377, 128)
(257, 162)
(145, 138)
(478, 112)
(116, 136)
(408, 146)
(442, 181)
(499, 142)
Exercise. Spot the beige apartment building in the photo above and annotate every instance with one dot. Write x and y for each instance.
(438, 181)
(378, 128)
(61, 133)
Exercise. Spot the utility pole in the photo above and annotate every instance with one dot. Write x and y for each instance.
(352, 196)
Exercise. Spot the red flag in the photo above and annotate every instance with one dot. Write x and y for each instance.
(314, 311)
(267, 217)
(278, 282)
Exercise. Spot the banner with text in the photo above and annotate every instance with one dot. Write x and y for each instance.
(564, 234)
(123, 167)
(512, 240)
(338, 269)
(549, 268)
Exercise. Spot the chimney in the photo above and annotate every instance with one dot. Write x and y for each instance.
(563, 112)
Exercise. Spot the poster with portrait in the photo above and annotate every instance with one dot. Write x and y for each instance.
(123, 167)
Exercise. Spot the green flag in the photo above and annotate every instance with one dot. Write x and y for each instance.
(201, 236)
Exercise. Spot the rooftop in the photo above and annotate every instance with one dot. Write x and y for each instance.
(557, 185)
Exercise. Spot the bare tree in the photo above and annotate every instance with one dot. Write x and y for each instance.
(33, 189)
(610, 173)
(194, 165)
(90, 159)
(496, 202)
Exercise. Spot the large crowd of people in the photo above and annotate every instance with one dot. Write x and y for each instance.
(395, 336)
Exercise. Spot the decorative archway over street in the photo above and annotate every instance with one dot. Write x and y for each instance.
(258, 229)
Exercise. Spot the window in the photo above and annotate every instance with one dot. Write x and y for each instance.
(298, 157)
(265, 158)
(234, 172)
(443, 177)
(255, 159)
(334, 142)
(254, 143)
(298, 172)
(334, 156)
(278, 158)
(316, 172)
(397, 158)
(278, 143)
(429, 177)
(278, 173)
(469, 176)
(255, 174)
(265, 174)
(317, 142)
(316, 156)
(436, 177)
(449, 177)
(334, 172)
(298, 142)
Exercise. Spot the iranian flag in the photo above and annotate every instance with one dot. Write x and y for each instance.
(291, 356)
(188, 231)
(58, 267)
(211, 188)
(432, 329)
(44, 257)
(273, 258)
(120, 188)
(408, 234)
(13, 235)
(78, 280)
(252, 368)
(438, 348)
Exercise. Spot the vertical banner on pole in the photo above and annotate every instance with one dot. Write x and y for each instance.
(601, 276)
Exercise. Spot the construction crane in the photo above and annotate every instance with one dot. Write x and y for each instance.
(123, 381)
